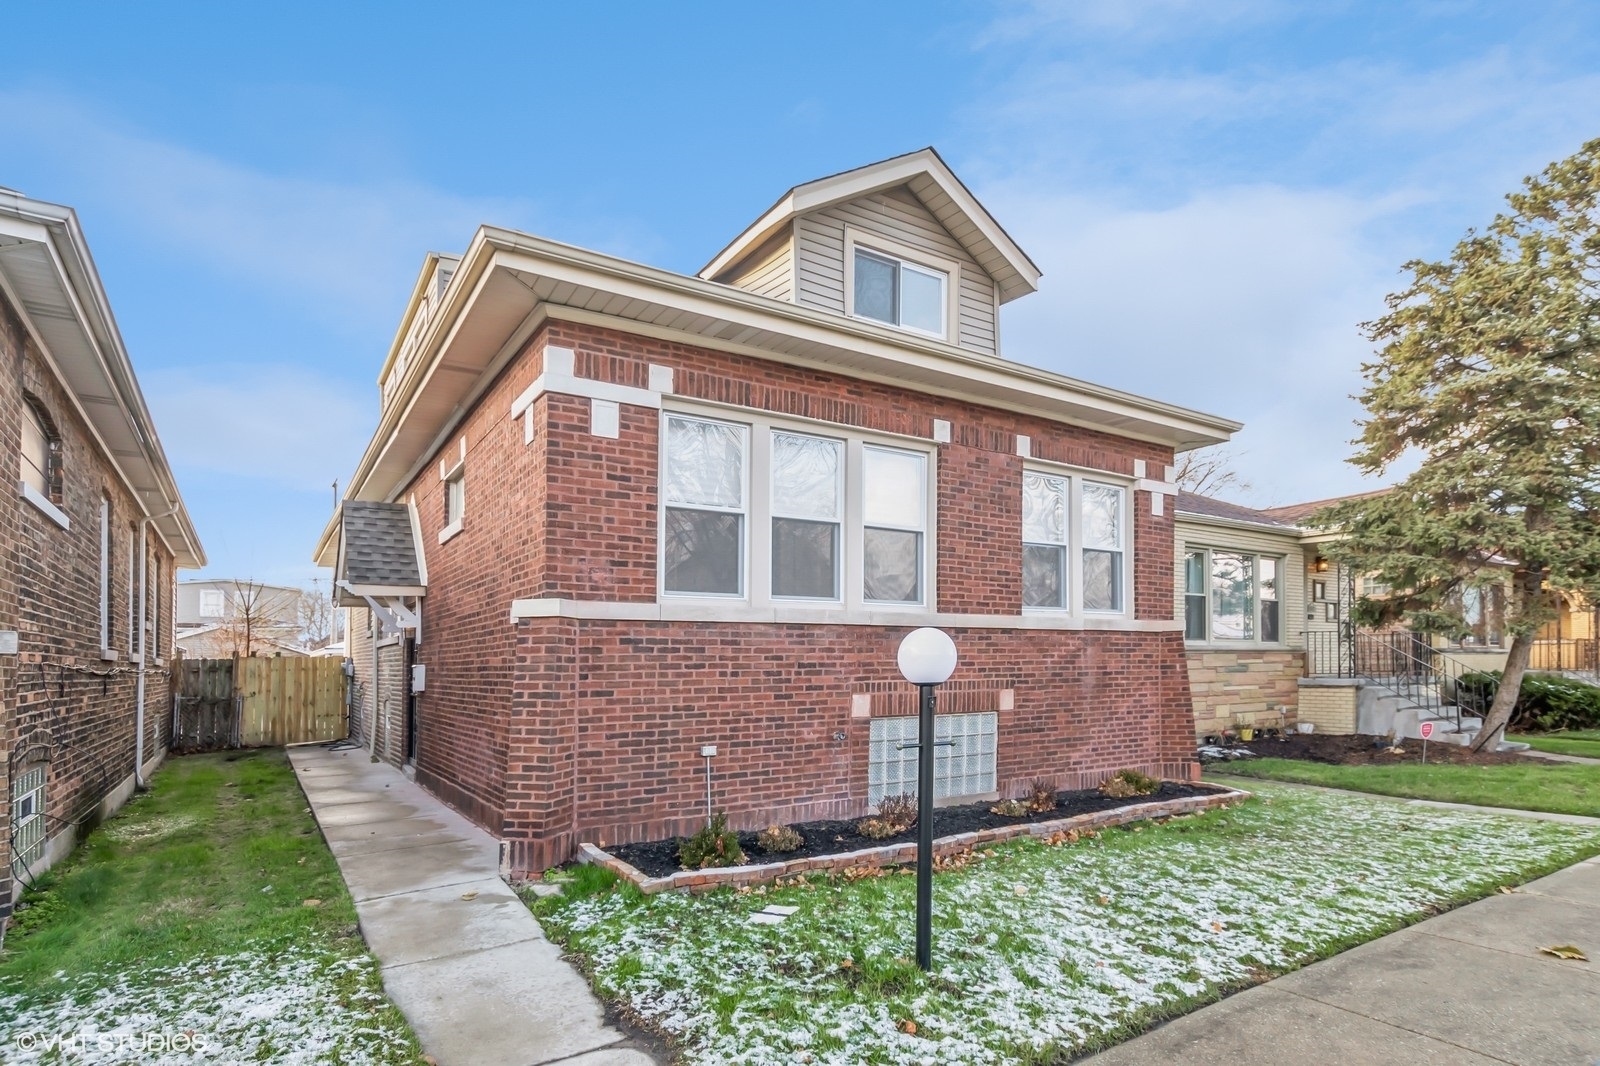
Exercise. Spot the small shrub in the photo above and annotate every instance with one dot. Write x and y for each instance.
(899, 811)
(1041, 796)
(715, 845)
(779, 839)
(1010, 808)
(875, 828)
(1126, 783)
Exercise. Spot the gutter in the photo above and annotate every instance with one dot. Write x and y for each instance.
(483, 256)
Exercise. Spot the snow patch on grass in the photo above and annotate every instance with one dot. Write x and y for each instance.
(299, 1006)
(1107, 934)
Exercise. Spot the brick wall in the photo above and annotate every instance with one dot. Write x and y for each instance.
(550, 729)
(63, 704)
(1227, 684)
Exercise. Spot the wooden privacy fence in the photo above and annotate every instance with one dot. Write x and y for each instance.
(256, 702)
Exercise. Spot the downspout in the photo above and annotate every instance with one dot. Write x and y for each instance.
(144, 634)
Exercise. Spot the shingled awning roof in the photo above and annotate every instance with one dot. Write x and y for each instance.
(1210, 507)
(378, 554)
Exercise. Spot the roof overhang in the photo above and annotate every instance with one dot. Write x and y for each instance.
(47, 272)
(1195, 518)
(509, 284)
(934, 183)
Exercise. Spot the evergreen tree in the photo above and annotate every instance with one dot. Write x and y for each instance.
(1488, 369)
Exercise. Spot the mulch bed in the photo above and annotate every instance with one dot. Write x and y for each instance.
(1359, 750)
(658, 858)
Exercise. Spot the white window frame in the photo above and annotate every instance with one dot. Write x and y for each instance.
(861, 527)
(756, 560)
(1211, 640)
(133, 600)
(1076, 478)
(105, 574)
(948, 270)
(776, 511)
(748, 534)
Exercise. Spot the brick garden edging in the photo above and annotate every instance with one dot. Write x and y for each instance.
(898, 854)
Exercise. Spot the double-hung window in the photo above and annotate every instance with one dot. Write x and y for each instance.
(1044, 540)
(1231, 596)
(900, 293)
(775, 514)
(1104, 527)
(894, 516)
(807, 513)
(706, 494)
(1074, 544)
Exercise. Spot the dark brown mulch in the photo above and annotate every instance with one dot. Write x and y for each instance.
(1358, 750)
(658, 858)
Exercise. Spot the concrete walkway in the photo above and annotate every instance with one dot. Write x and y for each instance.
(1468, 987)
(461, 955)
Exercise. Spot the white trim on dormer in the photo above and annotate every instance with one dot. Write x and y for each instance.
(931, 180)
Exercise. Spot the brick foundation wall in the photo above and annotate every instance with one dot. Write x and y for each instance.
(613, 749)
(1255, 683)
(62, 704)
(554, 728)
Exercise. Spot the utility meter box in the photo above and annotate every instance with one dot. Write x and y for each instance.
(419, 678)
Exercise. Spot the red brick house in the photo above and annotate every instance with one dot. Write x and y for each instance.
(90, 536)
(613, 514)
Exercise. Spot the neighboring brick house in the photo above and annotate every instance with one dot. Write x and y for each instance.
(88, 547)
(612, 514)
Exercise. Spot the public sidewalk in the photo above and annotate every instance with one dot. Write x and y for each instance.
(1468, 987)
(461, 955)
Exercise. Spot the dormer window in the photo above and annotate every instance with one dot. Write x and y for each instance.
(901, 293)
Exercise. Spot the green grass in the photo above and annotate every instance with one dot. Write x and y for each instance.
(214, 864)
(1584, 742)
(1560, 788)
(1041, 952)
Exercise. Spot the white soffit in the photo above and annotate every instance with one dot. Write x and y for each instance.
(46, 270)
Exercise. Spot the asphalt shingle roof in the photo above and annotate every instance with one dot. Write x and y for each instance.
(378, 546)
(1298, 512)
(1193, 503)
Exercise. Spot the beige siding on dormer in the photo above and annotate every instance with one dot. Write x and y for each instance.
(898, 216)
(770, 271)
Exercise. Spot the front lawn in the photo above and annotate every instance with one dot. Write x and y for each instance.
(1529, 784)
(1584, 742)
(208, 911)
(1041, 951)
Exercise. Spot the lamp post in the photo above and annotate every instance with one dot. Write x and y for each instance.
(927, 658)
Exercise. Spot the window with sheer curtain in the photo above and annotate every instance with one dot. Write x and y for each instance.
(775, 514)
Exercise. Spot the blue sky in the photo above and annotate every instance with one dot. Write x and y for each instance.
(1218, 191)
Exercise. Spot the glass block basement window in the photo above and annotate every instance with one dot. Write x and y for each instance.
(27, 817)
(966, 768)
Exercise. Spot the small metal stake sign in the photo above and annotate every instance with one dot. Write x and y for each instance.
(1427, 731)
(927, 658)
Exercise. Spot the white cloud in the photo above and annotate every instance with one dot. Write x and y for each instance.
(348, 249)
(285, 425)
(1243, 302)
(1215, 236)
